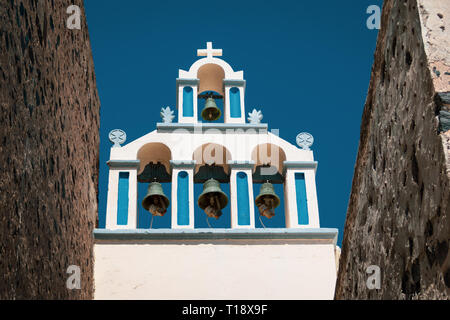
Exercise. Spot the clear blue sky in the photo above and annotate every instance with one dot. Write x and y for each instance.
(307, 65)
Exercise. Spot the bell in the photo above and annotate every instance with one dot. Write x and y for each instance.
(267, 200)
(211, 112)
(213, 199)
(155, 201)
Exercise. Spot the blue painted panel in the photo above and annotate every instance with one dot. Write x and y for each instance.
(302, 204)
(188, 102)
(183, 199)
(122, 200)
(235, 103)
(243, 201)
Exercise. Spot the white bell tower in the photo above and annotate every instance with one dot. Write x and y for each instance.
(211, 74)
(301, 257)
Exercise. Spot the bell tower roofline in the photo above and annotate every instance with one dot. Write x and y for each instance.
(210, 54)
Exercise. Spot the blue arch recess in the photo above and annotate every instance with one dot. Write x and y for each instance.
(302, 204)
(243, 201)
(235, 103)
(122, 199)
(188, 102)
(183, 199)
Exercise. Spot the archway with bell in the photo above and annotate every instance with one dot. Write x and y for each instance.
(269, 185)
(211, 92)
(212, 186)
(154, 186)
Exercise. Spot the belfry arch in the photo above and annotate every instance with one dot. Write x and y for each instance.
(154, 152)
(211, 78)
(268, 154)
(212, 154)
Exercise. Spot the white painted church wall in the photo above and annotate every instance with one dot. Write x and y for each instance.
(182, 143)
(198, 270)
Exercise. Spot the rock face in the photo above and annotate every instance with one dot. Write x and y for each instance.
(49, 151)
(399, 211)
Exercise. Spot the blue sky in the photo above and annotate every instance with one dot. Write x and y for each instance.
(307, 65)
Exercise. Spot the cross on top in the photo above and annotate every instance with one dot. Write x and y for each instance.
(209, 51)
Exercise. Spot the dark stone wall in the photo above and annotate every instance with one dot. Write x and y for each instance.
(399, 210)
(49, 151)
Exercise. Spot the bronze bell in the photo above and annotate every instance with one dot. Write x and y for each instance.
(213, 199)
(267, 200)
(211, 112)
(156, 201)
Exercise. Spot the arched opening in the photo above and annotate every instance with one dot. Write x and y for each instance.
(211, 162)
(210, 86)
(243, 200)
(269, 160)
(271, 156)
(154, 152)
(212, 154)
(301, 198)
(235, 103)
(123, 199)
(188, 102)
(183, 198)
(211, 78)
(155, 166)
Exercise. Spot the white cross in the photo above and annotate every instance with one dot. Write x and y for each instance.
(209, 51)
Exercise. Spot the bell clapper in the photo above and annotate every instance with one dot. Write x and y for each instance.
(207, 221)
(260, 220)
(213, 209)
(151, 222)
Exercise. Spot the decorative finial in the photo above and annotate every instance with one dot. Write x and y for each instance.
(209, 52)
(167, 115)
(117, 137)
(255, 117)
(305, 140)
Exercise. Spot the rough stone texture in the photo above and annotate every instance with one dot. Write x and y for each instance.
(399, 209)
(49, 150)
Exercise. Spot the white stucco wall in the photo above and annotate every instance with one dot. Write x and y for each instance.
(224, 269)
(239, 142)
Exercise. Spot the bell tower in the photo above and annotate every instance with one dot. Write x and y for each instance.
(248, 175)
(210, 78)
